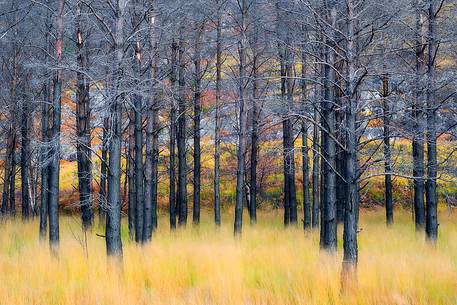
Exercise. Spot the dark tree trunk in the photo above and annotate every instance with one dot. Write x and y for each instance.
(431, 223)
(351, 214)
(25, 155)
(329, 224)
(242, 139)
(150, 169)
(83, 113)
(254, 124)
(172, 148)
(44, 156)
(387, 152)
(418, 125)
(113, 215)
(217, 137)
(54, 167)
(315, 178)
(305, 149)
(197, 118)
(103, 173)
(181, 138)
(340, 152)
(131, 207)
(12, 183)
(138, 130)
(9, 170)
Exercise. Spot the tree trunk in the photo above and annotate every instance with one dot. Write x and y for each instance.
(418, 125)
(431, 224)
(150, 168)
(197, 118)
(217, 137)
(351, 214)
(181, 137)
(25, 155)
(103, 173)
(54, 167)
(305, 149)
(83, 128)
(131, 207)
(242, 139)
(387, 152)
(138, 133)
(254, 121)
(113, 219)
(315, 178)
(172, 192)
(329, 225)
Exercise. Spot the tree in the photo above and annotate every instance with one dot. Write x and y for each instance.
(242, 113)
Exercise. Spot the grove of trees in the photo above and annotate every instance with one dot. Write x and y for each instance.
(321, 95)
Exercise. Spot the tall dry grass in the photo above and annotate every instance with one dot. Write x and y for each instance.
(205, 265)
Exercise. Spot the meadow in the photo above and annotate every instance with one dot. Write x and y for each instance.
(207, 265)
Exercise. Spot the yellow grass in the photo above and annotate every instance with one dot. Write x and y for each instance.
(268, 265)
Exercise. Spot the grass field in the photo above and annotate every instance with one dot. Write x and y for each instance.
(268, 265)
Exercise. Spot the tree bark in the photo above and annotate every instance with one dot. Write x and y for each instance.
(181, 137)
(418, 125)
(150, 169)
(329, 225)
(113, 219)
(217, 123)
(242, 139)
(172, 166)
(130, 177)
(387, 152)
(138, 130)
(197, 118)
(351, 214)
(315, 178)
(103, 173)
(83, 127)
(431, 224)
(305, 149)
(25, 155)
(54, 167)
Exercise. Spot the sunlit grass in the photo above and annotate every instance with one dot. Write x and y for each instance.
(205, 265)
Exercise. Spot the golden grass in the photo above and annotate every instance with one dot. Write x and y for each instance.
(205, 265)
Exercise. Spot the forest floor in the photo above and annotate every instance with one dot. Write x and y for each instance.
(205, 265)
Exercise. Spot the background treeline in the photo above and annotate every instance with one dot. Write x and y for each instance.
(173, 101)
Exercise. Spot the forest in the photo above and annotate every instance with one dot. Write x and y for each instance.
(228, 152)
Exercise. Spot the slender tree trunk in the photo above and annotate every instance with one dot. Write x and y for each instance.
(197, 118)
(172, 191)
(113, 219)
(329, 225)
(315, 178)
(181, 137)
(431, 224)
(138, 130)
(25, 155)
(54, 167)
(103, 173)
(418, 125)
(83, 127)
(242, 139)
(8, 167)
(254, 121)
(351, 214)
(217, 137)
(289, 142)
(131, 207)
(150, 169)
(305, 149)
(12, 183)
(387, 152)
